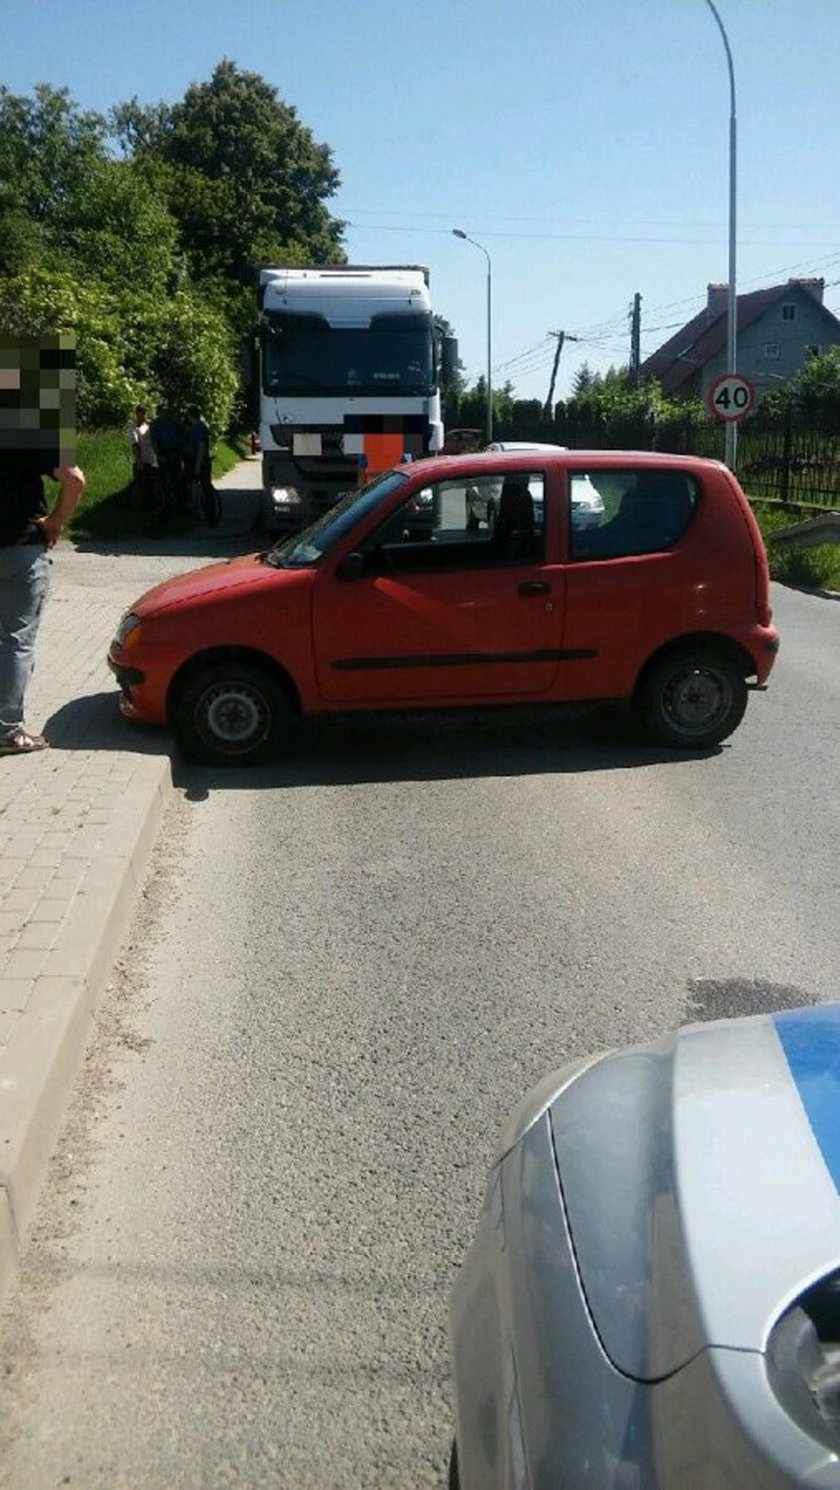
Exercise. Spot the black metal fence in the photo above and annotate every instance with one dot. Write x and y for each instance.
(780, 459)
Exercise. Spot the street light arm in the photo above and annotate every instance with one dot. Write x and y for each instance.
(713, 8)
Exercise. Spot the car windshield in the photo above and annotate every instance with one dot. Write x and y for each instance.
(304, 549)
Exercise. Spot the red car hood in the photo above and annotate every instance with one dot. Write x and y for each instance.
(199, 584)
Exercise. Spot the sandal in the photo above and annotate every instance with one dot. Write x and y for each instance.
(20, 742)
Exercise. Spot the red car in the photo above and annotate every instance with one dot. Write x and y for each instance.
(663, 605)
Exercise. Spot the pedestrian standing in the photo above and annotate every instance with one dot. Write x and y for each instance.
(142, 455)
(199, 466)
(27, 531)
(168, 441)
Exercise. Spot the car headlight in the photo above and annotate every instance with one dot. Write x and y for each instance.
(128, 631)
(286, 496)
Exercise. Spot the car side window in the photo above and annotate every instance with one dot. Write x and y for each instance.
(480, 521)
(641, 512)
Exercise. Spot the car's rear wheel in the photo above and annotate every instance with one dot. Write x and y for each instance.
(231, 714)
(693, 699)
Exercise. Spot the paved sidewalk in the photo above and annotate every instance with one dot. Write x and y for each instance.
(77, 823)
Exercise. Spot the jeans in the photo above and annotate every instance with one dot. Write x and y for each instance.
(24, 584)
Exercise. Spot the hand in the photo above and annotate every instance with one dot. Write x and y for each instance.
(51, 529)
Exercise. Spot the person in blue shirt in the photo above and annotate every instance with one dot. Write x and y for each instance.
(198, 463)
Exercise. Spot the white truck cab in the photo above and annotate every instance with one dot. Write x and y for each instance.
(349, 381)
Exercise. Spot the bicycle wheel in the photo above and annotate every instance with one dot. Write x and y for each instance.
(211, 504)
(156, 499)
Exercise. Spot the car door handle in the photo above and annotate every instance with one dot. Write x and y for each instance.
(534, 587)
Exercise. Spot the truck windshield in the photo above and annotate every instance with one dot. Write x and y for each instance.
(303, 355)
(305, 549)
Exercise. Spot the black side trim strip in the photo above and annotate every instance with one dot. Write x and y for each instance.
(457, 659)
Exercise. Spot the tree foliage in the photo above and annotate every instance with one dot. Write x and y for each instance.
(248, 181)
(141, 232)
(813, 393)
(472, 405)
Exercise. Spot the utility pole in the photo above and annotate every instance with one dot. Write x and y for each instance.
(635, 340)
(562, 336)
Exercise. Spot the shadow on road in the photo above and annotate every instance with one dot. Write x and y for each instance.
(353, 749)
(94, 722)
(227, 541)
(360, 749)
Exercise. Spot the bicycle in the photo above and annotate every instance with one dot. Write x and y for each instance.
(166, 493)
(206, 500)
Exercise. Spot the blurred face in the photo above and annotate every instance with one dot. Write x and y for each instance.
(38, 396)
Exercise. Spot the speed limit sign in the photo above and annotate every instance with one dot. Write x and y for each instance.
(731, 397)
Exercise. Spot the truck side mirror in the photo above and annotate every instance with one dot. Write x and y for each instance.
(448, 359)
(248, 360)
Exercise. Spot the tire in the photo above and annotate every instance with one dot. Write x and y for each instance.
(454, 1482)
(693, 699)
(231, 714)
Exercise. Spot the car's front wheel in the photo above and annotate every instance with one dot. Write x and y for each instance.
(231, 714)
(693, 699)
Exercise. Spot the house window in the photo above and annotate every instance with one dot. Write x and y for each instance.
(788, 311)
(814, 350)
(771, 351)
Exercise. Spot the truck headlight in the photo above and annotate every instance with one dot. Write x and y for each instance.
(286, 496)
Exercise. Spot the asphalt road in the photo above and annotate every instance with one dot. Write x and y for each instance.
(343, 974)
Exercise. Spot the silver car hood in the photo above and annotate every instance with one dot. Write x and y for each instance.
(700, 1179)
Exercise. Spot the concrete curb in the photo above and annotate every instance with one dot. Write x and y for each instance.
(78, 823)
(40, 1062)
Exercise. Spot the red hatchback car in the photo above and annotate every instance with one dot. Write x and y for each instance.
(390, 601)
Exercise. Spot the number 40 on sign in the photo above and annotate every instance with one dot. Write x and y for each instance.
(731, 397)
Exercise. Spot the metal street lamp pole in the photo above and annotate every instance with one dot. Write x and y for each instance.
(732, 302)
(459, 233)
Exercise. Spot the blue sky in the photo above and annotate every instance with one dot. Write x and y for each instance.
(584, 143)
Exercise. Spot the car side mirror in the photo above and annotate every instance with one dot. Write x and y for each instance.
(351, 566)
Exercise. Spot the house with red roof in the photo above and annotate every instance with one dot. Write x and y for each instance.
(778, 329)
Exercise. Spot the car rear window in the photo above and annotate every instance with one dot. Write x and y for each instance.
(644, 512)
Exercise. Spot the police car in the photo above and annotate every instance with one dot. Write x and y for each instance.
(652, 1299)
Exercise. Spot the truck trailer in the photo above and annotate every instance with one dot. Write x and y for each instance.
(350, 371)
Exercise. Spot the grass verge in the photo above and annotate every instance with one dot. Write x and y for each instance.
(815, 568)
(107, 509)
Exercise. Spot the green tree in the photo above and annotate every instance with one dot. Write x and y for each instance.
(249, 181)
(472, 405)
(47, 146)
(120, 230)
(813, 394)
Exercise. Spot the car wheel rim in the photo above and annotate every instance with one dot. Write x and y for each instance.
(696, 700)
(233, 716)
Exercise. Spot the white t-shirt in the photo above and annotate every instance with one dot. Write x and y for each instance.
(140, 440)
